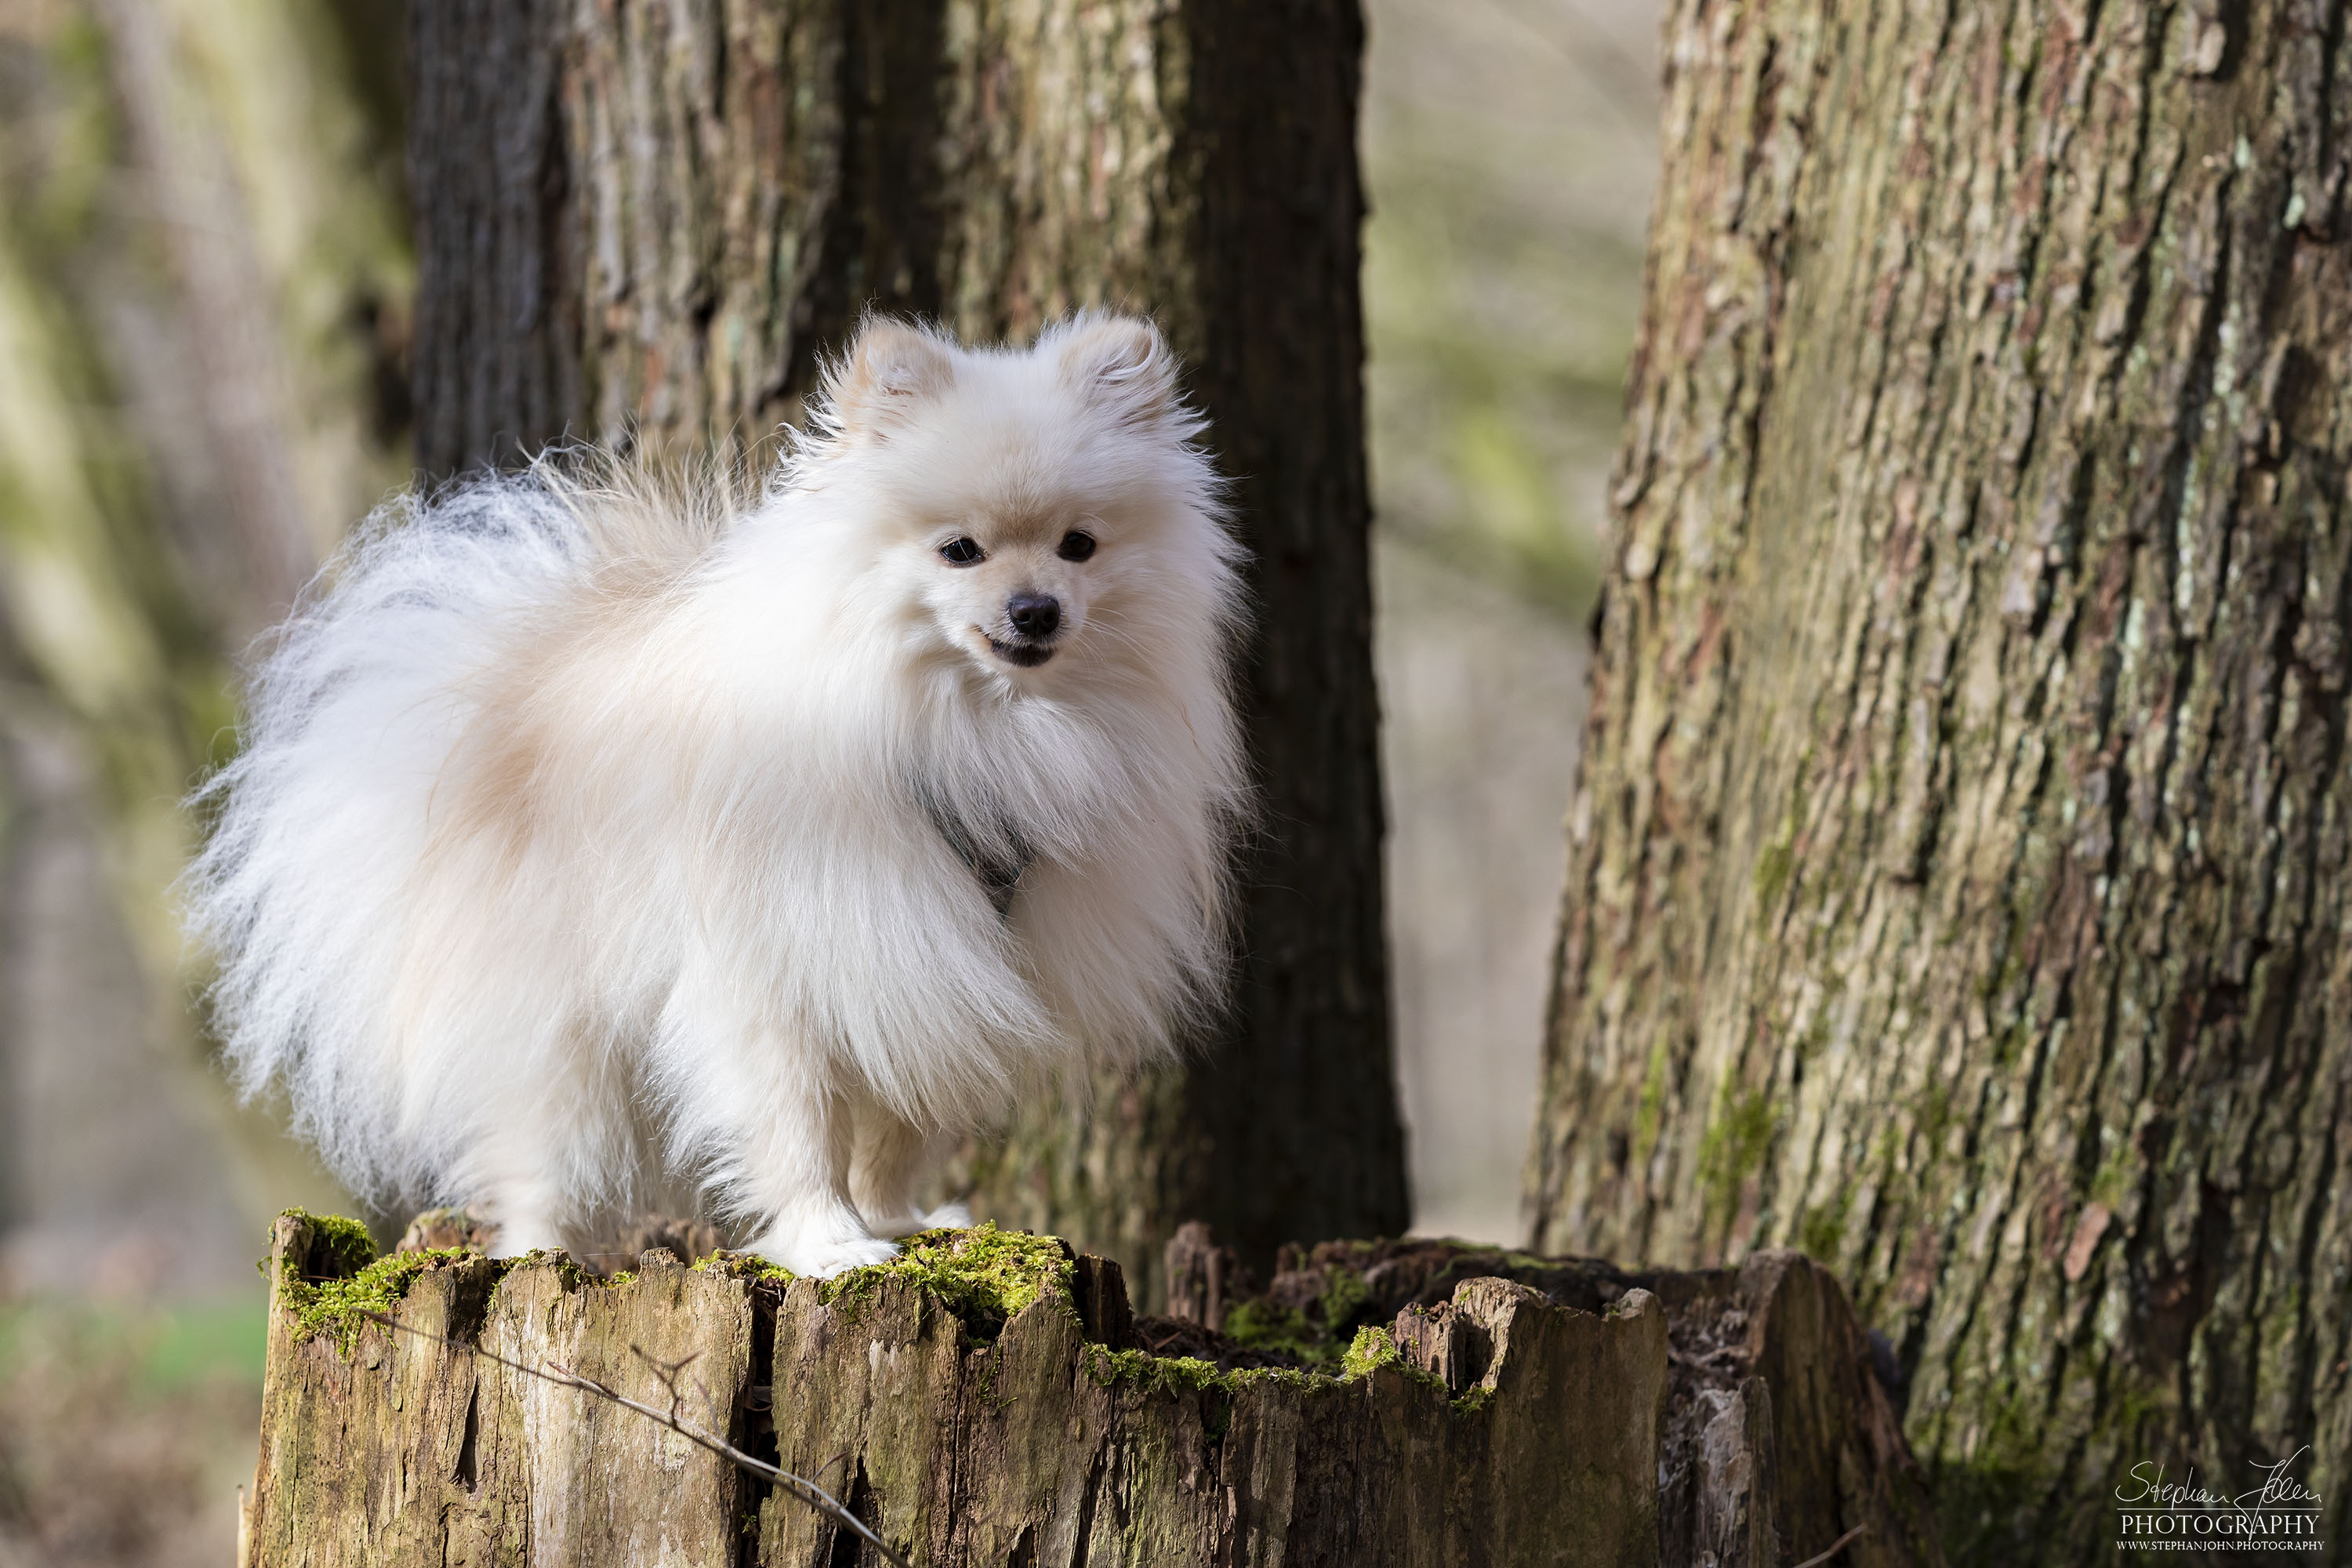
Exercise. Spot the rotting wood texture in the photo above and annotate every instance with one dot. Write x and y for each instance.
(1958, 865)
(647, 220)
(988, 1402)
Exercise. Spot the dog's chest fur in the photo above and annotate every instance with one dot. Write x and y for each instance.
(997, 852)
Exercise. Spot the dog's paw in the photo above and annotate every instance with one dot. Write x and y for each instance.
(947, 1217)
(824, 1261)
(520, 1235)
(822, 1256)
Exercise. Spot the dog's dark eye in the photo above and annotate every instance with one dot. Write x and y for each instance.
(1076, 546)
(962, 553)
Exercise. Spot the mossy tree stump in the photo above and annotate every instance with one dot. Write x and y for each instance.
(989, 1400)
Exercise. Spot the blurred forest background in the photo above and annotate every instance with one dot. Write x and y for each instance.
(205, 288)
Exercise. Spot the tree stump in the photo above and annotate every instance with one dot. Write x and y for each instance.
(990, 1399)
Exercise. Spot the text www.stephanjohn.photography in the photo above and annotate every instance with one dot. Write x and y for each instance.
(2278, 1514)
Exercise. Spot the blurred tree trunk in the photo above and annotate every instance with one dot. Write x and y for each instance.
(198, 278)
(654, 216)
(1958, 867)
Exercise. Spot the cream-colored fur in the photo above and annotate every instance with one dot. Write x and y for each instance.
(592, 834)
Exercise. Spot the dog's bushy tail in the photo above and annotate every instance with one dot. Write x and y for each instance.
(352, 706)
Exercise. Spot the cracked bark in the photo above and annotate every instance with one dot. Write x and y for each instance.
(647, 219)
(1958, 869)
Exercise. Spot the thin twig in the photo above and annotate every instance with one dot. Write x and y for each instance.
(801, 1487)
(1835, 1547)
(667, 1373)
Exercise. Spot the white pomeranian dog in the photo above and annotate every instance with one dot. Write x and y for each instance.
(591, 837)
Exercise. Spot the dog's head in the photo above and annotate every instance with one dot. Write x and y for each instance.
(1040, 511)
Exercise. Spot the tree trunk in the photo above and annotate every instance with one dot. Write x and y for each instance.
(654, 217)
(1958, 865)
(990, 1399)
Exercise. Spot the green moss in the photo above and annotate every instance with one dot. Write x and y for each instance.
(1289, 1377)
(336, 1306)
(1372, 1347)
(1822, 1229)
(748, 1265)
(1935, 1117)
(1472, 1401)
(1736, 1139)
(567, 1269)
(1375, 1347)
(985, 1275)
(345, 1243)
(1981, 1500)
(2119, 1173)
(1191, 1375)
(1650, 1112)
(1283, 1331)
(1341, 1298)
(1885, 1149)
(2012, 1045)
(2024, 1469)
(1153, 1373)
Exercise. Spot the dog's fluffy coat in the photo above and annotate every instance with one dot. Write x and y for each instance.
(587, 830)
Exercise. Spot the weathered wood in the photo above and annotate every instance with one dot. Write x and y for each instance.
(384, 1448)
(1960, 860)
(1778, 1436)
(1733, 1507)
(1193, 1274)
(647, 219)
(987, 1401)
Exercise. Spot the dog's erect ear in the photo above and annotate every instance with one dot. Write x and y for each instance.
(892, 369)
(1122, 363)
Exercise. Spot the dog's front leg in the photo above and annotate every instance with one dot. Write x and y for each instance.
(516, 1192)
(755, 1104)
(891, 1157)
(794, 1174)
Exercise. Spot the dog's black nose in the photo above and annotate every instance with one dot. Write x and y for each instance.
(1034, 615)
